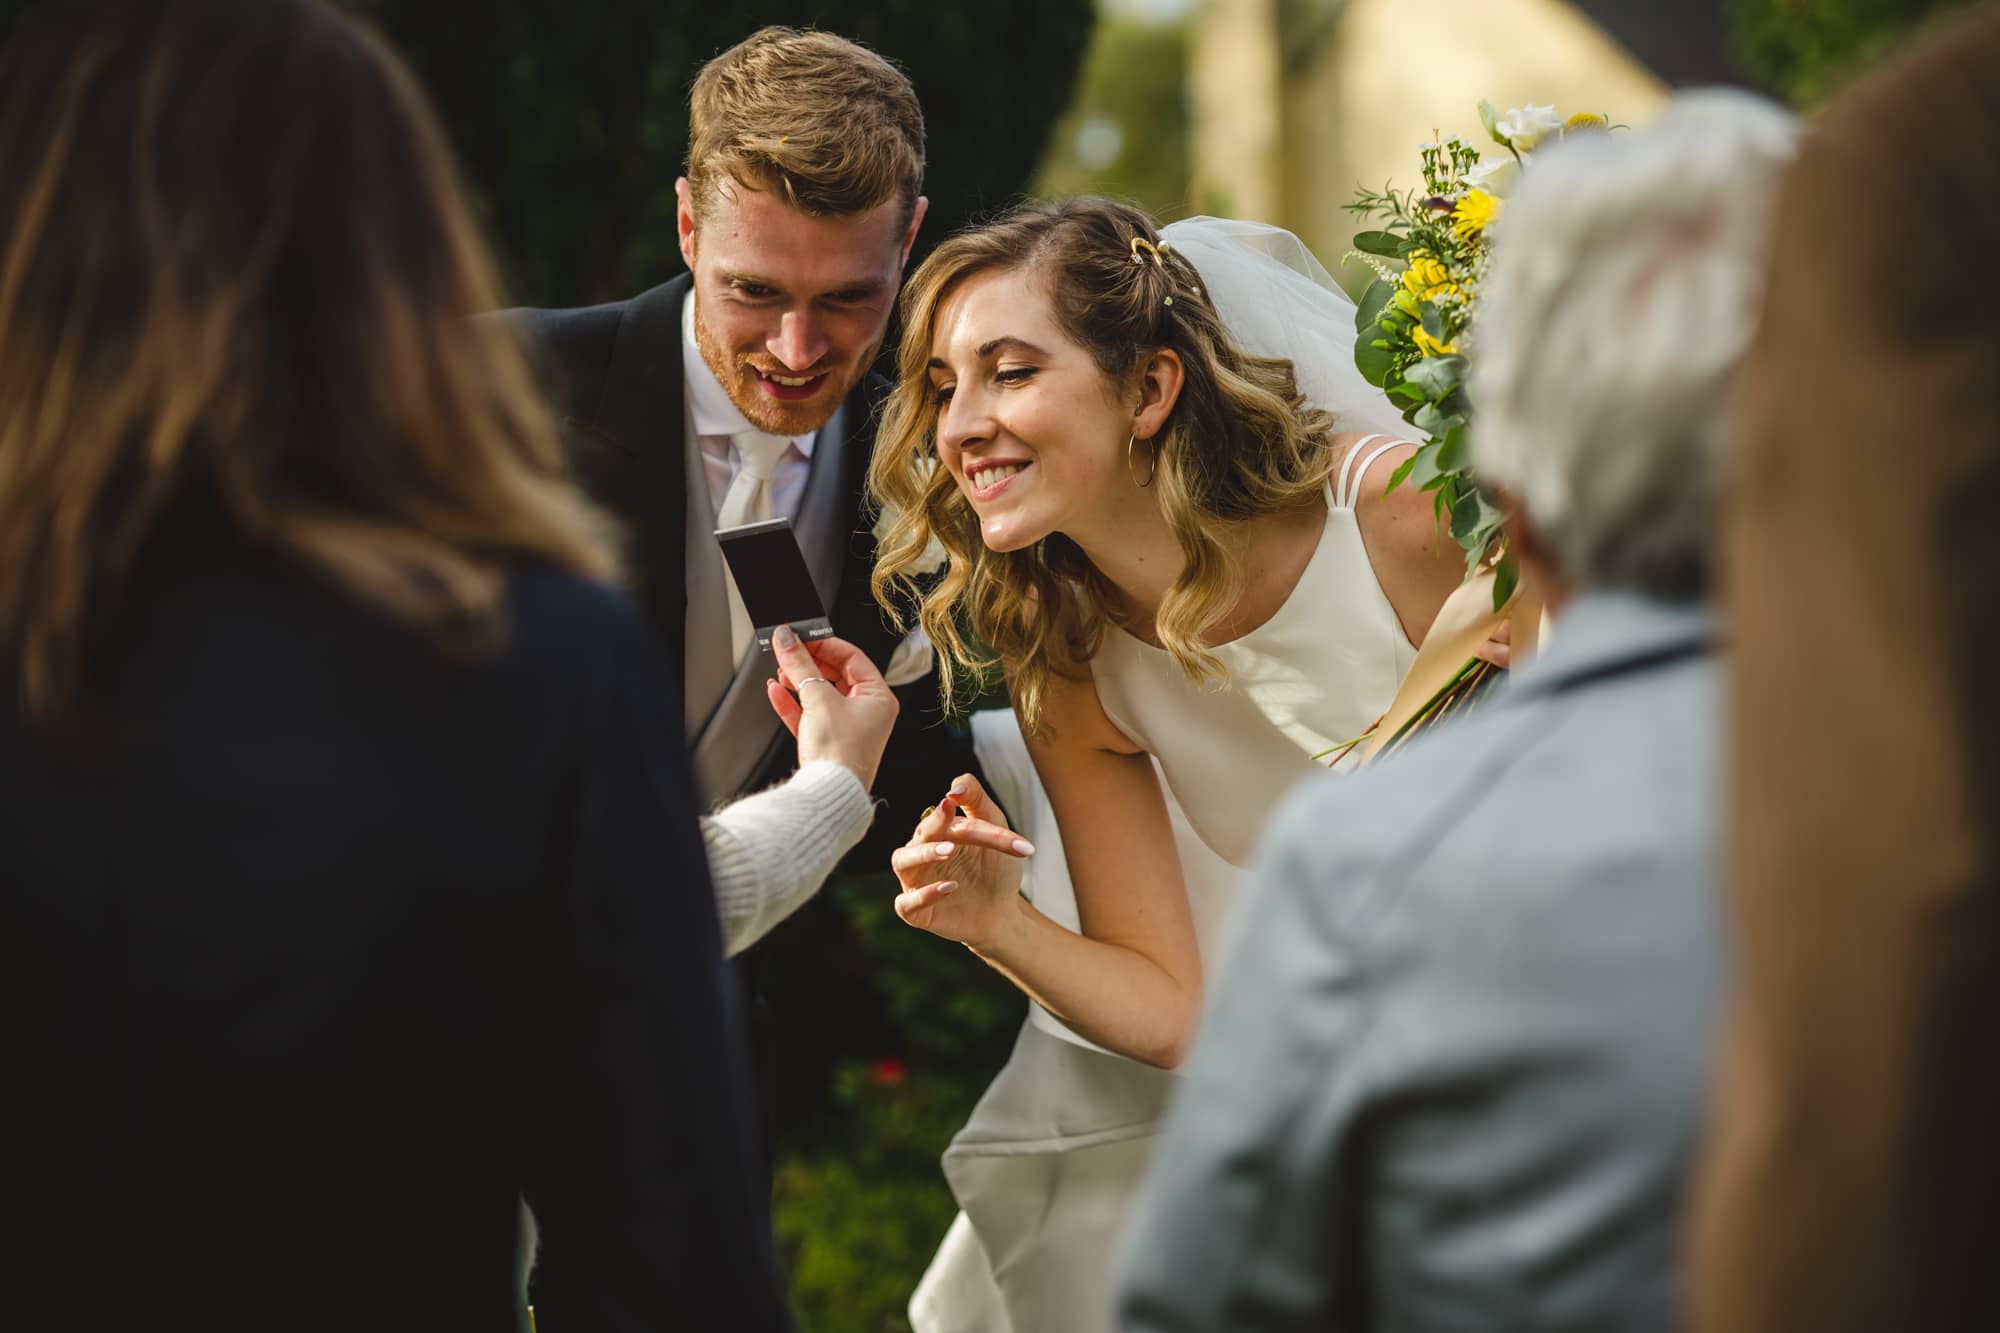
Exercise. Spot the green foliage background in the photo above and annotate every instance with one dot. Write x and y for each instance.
(1803, 49)
(1134, 83)
(571, 115)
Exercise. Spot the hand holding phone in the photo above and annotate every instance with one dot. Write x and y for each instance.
(831, 697)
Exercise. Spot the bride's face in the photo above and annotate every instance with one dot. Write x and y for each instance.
(1033, 432)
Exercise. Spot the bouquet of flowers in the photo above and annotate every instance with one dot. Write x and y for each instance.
(1416, 330)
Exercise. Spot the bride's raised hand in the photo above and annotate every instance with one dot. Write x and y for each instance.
(961, 869)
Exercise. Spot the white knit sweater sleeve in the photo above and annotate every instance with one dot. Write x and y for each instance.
(770, 852)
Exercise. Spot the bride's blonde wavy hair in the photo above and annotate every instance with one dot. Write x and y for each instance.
(1239, 442)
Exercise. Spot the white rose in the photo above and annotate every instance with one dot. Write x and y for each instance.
(1526, 126)
(1495, 175)
(929, 561)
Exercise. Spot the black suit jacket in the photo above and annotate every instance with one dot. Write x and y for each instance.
(619, 372)
(338, 950)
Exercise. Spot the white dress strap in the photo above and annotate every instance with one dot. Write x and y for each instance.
(1359, 459)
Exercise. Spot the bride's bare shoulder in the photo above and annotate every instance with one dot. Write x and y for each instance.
(1073, 716)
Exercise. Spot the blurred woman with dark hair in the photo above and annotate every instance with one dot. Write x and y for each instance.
(328, 745)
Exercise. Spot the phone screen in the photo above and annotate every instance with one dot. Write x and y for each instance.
(772, 578)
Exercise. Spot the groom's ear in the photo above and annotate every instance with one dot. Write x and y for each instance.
(910, 236)
(684, 221)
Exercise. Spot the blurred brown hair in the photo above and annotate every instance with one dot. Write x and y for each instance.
(1241, 441)
(235, 264)
(821, 120)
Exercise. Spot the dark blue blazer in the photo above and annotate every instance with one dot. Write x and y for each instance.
(327, 950)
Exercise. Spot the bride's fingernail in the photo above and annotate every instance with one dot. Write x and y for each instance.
(1024, 847)
(948, 886)
(943, 850)
(958, 788)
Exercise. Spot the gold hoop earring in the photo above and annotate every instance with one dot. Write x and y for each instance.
(1132, 472)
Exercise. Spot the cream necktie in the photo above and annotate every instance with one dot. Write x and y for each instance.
(748, 501)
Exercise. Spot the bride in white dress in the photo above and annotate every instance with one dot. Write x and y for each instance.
(1151, 464)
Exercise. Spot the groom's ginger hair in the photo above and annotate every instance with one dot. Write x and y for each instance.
(824, 122)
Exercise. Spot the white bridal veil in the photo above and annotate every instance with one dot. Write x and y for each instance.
(1277, 300)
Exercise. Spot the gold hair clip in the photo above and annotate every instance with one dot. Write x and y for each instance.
(1141, 243)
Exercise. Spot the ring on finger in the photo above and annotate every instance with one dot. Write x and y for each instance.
(809, 680)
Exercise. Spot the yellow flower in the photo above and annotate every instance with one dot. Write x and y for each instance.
(1427, 278)
(1430, 346)
(1425, 273)
(1474, 214)
(1584, 120)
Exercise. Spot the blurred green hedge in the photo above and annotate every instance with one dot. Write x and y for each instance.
(1803, 49)
(571, 118)
(859, 1202)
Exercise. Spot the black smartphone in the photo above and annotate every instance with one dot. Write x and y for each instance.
(772, 578)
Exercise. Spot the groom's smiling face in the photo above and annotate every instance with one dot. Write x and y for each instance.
(790, 308)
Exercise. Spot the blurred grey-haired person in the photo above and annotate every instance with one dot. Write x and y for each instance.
(1452, 1075)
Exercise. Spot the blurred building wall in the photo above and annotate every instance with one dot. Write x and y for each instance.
(1237, 109)
(1354, 87)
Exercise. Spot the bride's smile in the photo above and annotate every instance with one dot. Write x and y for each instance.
(987, 476)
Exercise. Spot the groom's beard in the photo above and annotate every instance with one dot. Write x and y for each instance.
(738, 376)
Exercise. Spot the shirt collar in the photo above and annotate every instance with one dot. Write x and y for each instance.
(1608, 630)
(713, 413)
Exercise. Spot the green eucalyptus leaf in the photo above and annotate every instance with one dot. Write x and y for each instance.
(1423, 466)
(1407, 391)
(1434, 424)
(1375, 362)
(1373, 302)
(1400, 475)
(1505, 578)
(1437, 376)
(1453, 455)
(1386, 244)
(1471, 516)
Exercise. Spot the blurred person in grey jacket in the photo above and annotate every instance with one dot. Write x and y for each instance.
(1452, 1074)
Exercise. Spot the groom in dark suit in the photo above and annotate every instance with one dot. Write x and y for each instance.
(742, 390)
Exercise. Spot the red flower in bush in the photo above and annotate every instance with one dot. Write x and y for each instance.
(888, 1072)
